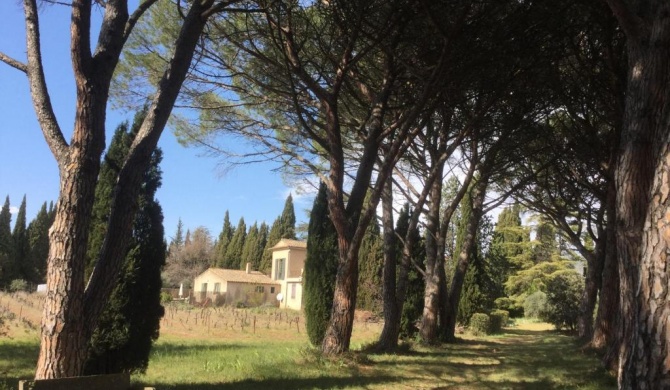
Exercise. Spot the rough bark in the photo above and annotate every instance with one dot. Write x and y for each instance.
(388, 340)
(594, 267)
(641, 208)
(428, 329)
(456, 287)
(604, 333)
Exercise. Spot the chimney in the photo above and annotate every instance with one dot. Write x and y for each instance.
(248, 268)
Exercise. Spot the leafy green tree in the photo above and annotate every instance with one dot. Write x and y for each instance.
(511, 239)
(222, 243)
(38, 238)
(21, 244)
(545, 246)
(6, 245)
(371, 262)
(130, 322)
(288, 219)
(320, 269)
(564, 290)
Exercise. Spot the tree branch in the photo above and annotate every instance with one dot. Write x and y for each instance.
(38, 86)
(130, 24)
(632, 25)
(14, 63)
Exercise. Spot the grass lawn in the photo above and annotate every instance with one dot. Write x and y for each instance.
(218, 352)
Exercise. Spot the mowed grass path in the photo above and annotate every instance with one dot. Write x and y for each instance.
(529, 356)
(219, 354)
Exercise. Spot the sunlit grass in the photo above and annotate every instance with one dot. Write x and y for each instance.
(277, 355)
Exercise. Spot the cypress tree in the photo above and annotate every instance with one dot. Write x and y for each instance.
(273, 238)
(233, 259)
(130, 324)
(371, 263)
(38, 238)
(21, 245)
(262, 241)
(288, 219)
(250, 247)
(224, 240)
(178, 241)
(412, 309)
(320, 268)
(6, 244)
(109, 170)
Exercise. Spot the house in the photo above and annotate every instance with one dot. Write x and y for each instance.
(233, 287)
(288, 262)
(253, 288)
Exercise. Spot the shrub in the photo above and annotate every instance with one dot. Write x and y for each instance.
(564, 291)
(480, 324)
(18, 285)
(503, 315)
(535, 305)
(166, 297)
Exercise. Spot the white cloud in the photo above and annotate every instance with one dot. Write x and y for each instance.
(13, 209)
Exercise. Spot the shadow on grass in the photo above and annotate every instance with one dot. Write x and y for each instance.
(323, 382)
(17, 361)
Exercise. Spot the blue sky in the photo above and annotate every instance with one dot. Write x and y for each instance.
(194, 189)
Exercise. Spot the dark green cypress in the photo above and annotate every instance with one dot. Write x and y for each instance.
(21, 244)
(412, 309)
(250, 245)
(320, 269)
(224, 240)
(130, 324)
(288, 219)
(6, 244)
(38, 238)
(262, 241)
(371, 262)
(233, 259)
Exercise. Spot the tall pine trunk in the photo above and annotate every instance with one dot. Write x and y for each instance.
(428, 330)
(642, 190)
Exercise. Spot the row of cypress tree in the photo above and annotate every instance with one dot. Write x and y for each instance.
(24, 249)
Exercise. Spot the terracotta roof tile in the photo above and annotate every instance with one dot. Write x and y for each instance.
(233, 275)
(287, 243)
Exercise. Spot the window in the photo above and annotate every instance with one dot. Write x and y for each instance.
(280, 269)
(260, 289)
(293, 291)
(217, 287)
(203, 287)
(272, 290)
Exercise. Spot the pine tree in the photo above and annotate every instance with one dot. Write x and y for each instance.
(371, 262)
(250, 246)
(130, 324)
(511, 239)
(288, 219)
(224, 240)
(38, 238)
(320, 269)
(273, 238)
(21, 245)
(6, 245)
(233, 258)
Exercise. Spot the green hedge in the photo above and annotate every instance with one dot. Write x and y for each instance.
(480, 324)
(498, 319)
